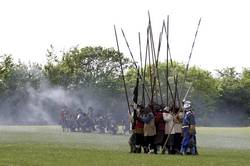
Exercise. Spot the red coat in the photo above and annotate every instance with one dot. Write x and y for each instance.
(139, 125)
(159, 121)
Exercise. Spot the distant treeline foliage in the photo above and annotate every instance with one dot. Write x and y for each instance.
(91, 76)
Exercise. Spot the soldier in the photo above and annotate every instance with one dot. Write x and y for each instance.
(169, 130)
(139, 133)
(149, 130)
(189, 132)
(67, 119)
(63, 119)
(132, 139)
(178, 130)
(160, 127)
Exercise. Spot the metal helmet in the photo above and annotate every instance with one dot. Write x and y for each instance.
(187, 106)
(186, 102)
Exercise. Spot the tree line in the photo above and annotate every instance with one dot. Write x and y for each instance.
(93, 76)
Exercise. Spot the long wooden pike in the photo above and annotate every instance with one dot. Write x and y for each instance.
(144, 71)
(157, 62)
(149, 47)
(153, 73)
(131, 54)
(185, 97)
(134, 62)
(150, 74)
(190, 54)
(167, 69)
(139, 37)
(122, 72)
(143, 87)
(170, 90)
(168, 58)
(176, 89)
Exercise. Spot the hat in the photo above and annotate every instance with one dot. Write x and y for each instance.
(166, 109)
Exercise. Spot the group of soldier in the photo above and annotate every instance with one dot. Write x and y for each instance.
(157, 128)
(89, 121)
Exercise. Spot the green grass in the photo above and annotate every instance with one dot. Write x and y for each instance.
(47, 145)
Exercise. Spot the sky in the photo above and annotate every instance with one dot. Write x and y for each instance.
(29, 27)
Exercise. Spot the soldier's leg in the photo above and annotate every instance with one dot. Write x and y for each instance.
(138, 143)
(152, 147)
(132, 143)
(185, 141)
(146, 144)
(177, 142)
(171, 144)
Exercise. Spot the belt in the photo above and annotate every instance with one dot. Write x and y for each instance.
(184, 127)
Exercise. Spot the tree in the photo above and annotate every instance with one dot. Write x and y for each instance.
(86, 67)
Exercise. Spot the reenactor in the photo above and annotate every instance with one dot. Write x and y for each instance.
(160, 127)
(132, 139)
(138, 129)
(63, 119)
(178, 117)
(189, 132)
(149, 130)
(169, 130)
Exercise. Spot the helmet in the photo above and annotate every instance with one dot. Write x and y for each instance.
(186, 102)
(187, 106)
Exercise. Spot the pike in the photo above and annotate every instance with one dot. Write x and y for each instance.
(135, 98)
(139, 37)
(171, 93)
(150, 74)
(150, 49)
(132, 56)
(190, 54)
(155, 62)
(167, 72)
(145, 66)
(143, 93)
(122, 72)
(184, 99)
(176, 89)
(169, 57)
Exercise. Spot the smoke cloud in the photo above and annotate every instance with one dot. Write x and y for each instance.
(42, 106)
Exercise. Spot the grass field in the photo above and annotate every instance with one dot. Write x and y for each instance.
(47, 145)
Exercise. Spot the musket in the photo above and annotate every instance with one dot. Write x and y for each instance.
(122, 72)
